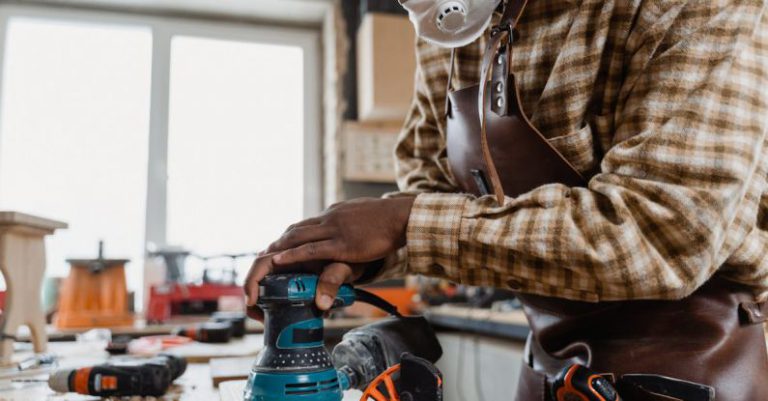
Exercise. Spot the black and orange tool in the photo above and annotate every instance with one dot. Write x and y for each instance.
(126, 378)
(413, 379)
(208, 332)
(236, 319)
(578, 383)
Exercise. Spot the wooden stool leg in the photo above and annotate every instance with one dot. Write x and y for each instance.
(39, 335)
(36, 317)
(22, 261)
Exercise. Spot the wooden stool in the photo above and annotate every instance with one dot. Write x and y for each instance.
(22, 262)
(94, 294)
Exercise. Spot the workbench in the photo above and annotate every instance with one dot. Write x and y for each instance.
(333, 327)
(511, 325)
(474, 341)
(195, 385)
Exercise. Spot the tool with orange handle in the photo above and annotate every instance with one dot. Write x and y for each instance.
(142, 377)
(578, 383)
(413, 379)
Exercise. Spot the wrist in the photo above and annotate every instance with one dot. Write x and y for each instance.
(368, 271)
(405, 204)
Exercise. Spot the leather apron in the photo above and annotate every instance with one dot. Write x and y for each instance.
(708, 346)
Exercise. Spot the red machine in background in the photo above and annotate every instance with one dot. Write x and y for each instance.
(177, 296)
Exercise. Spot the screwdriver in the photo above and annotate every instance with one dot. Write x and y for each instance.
(143, 377)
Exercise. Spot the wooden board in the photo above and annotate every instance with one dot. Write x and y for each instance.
(228, 369)
(201, 352)
(233, 391)
(193, 385)
(16, 218)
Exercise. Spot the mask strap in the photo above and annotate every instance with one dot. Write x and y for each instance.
(512, 12)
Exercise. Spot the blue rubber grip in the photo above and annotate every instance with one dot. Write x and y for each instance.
(304, 287)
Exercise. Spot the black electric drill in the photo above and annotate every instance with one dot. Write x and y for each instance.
(136, 377)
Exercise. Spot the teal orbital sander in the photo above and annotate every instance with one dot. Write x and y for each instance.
(294, 364)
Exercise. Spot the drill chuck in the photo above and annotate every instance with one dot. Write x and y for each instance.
(58, 381)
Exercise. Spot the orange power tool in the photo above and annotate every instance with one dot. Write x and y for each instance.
(141, 377)
(578, 383)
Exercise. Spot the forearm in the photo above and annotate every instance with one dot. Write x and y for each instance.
(586, 244)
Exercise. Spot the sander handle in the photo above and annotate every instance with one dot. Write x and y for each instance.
(377, 301)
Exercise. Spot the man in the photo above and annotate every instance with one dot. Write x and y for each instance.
(662, 106)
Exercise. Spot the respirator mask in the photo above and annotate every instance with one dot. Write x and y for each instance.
(450, 23)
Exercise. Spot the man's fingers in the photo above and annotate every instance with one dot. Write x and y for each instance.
(261, 267)
(255, 313)
(301, 235)
(322, 250)
(308, 222)
(332, 277)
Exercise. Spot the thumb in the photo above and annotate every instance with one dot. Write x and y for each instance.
(332, 277)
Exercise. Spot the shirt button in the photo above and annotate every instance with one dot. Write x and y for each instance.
(514, 284)
(438, 270)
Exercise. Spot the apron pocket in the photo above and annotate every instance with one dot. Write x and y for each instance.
(631, 392)
(578, 148)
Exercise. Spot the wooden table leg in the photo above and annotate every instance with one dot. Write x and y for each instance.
(22, 262)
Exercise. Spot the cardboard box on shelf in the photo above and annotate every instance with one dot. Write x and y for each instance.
(386, 62)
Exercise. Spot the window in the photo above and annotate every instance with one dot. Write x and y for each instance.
(235, 128)
(235, 163)
(140, 130)
(73, 133)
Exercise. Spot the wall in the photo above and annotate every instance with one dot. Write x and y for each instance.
(353, 12)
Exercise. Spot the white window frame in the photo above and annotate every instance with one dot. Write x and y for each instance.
(163, 29)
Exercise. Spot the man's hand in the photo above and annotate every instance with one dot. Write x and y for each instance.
(358, 231)
(339, 245)
(331, 276)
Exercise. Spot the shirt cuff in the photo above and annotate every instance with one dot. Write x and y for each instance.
(434, 228)
(400, 194)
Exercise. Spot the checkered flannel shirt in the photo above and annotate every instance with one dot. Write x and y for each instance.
(662, 101)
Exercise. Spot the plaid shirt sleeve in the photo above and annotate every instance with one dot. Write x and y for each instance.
(689, 152)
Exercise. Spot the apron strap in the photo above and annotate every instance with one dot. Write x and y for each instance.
(512, 12)
(449, 87)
